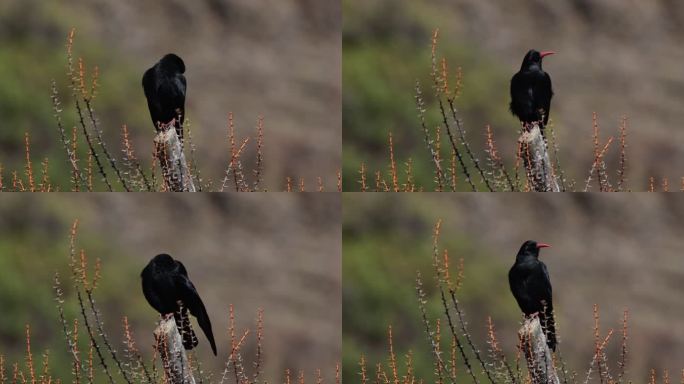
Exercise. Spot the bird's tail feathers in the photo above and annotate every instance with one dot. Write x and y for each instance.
(205, 324)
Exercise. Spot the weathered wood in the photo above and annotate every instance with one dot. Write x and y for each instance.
(175, 170)
(536, 159)
(170, 347)
(537, 353)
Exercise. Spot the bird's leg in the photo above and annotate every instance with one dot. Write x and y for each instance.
(165, 126)
(526, 127)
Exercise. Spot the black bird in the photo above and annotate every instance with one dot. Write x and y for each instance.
(166, 285)
(531, 287)
(164, 86)
(531, 90)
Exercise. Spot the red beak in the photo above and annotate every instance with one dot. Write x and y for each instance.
(543, 245)
(546, 53)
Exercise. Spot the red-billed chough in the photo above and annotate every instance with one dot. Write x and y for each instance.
(531, 90)
(168, 289)
(164, 86)
(531, 287)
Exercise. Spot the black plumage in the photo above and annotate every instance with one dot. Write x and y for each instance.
(165, 85)
(531, 287)
(531, 90)
(165, 284)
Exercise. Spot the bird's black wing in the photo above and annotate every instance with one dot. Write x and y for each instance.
(531, 287)
(172, 100)
(546, 315)
(174, 90)
(182, 86)
(521, 99)
(171, 97)
(517, 284)
(548, 278)
(194, 303)
(149, 83)
(150, 292)
(181, 268)
(538, 286)
(525, 286)
(545, 93)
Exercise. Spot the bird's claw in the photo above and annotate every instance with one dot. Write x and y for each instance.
(165, 126)
(525, 127)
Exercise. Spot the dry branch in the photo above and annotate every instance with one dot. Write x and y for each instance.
(537, 353)
(170, 347)
(175, 170)
(537, 162)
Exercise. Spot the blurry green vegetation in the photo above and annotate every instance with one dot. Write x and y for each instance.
(386, 50)
(33, 35)
(385, 243)
(31, 252)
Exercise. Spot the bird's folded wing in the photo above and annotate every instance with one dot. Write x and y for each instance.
(194, 303)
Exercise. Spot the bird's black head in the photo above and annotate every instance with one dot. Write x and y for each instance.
(534, 58)
(172, 63)
(163, 260)
(531, 248)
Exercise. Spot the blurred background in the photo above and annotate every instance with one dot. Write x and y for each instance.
(276, 59)
(613, 57)
(280, 254)
(614, 251)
